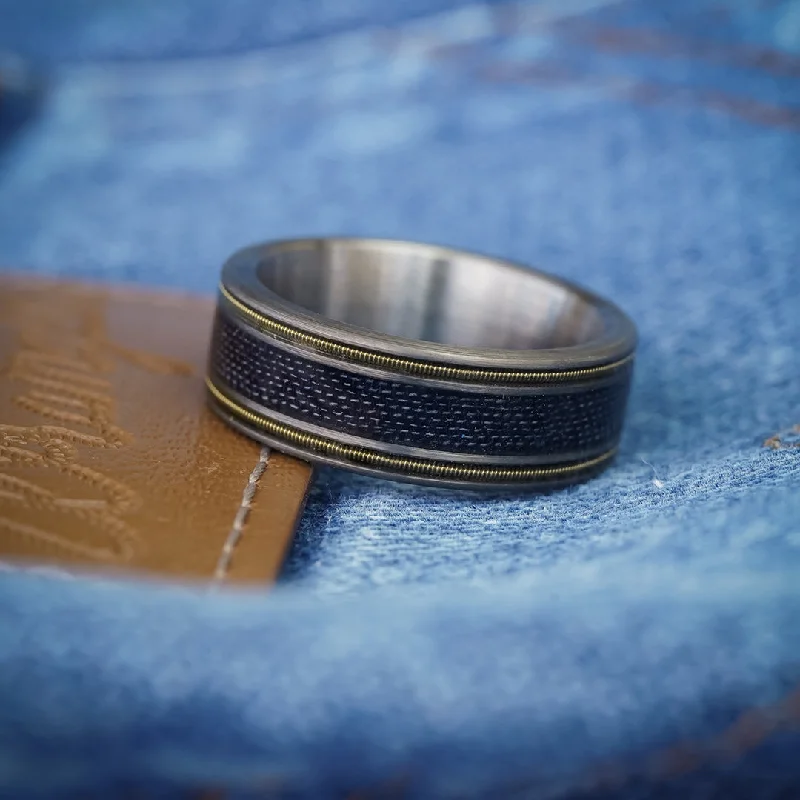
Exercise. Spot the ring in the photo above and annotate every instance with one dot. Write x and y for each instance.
(420, 363)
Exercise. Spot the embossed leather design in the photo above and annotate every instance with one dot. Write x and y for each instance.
(108, 455)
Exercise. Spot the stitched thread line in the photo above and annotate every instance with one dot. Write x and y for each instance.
(750, 730)
(237, 529)
(784, 439)
(414, 366)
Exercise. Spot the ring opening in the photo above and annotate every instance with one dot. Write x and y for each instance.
(430, 294)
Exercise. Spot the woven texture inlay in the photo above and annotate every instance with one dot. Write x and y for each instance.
(414, 415)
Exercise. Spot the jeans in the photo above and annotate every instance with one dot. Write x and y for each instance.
(636, 636)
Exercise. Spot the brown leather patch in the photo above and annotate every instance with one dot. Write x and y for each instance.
(108, 454)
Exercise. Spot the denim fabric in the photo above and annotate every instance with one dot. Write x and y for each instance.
(634, 637)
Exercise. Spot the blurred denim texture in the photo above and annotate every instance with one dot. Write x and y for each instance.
(634, 637)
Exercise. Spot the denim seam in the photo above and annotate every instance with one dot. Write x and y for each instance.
(753, 728)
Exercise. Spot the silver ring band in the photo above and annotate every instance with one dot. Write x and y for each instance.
(420, 363)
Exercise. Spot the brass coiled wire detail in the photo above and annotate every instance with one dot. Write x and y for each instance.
(427, 369)
(410, 466)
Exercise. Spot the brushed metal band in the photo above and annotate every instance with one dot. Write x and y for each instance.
(420, 363)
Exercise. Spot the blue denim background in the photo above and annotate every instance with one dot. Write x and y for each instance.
(599, 642)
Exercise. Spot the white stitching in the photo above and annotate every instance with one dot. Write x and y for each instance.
(237, 529)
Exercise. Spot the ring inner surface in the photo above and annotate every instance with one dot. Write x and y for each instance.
(430, 295)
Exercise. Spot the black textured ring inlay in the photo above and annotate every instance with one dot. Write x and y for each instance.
(419, 362)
